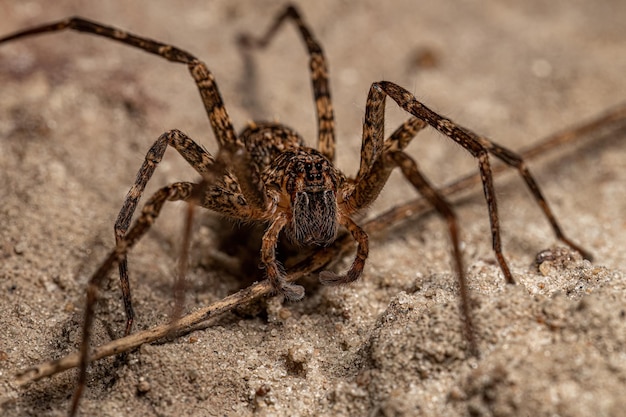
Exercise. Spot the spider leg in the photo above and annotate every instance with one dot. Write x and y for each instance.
(273, 270)
(373, 171)
(221, 193)
(193, 153)
(371, 177)
(362, 251)
(213, 103)
(429, 192)
(479, 147)
(319, 75)
(152, 208)
(216, 191)
(514, 160)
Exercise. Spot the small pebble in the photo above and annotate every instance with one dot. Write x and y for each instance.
(20, 248)
(143, 387)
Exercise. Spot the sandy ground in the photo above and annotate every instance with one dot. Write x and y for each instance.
(77, 115)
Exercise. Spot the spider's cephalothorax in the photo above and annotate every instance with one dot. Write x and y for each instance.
(266, 173)
(303, 179)
(292, 186)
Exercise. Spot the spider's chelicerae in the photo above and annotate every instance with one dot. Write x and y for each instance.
(266, 173)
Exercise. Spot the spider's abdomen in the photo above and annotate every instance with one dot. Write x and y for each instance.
(265, 141)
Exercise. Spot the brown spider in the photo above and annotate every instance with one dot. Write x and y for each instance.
(267, 174)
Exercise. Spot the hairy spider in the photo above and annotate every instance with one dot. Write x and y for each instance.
(266, 173)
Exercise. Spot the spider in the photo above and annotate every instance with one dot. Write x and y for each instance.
(267, 174)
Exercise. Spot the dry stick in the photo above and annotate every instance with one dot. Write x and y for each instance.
(608, 120)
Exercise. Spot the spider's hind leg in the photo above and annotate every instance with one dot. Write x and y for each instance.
(412, 173)
(319, 75)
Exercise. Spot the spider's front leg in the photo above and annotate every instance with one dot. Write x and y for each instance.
(362, 251)
(273, 270)
(360, 192)
(195, 155)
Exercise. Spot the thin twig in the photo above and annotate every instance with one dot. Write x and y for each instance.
(608, 121)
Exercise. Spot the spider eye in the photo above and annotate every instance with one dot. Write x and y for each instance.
(313, 172)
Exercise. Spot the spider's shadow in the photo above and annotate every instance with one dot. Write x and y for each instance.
(234, 253)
